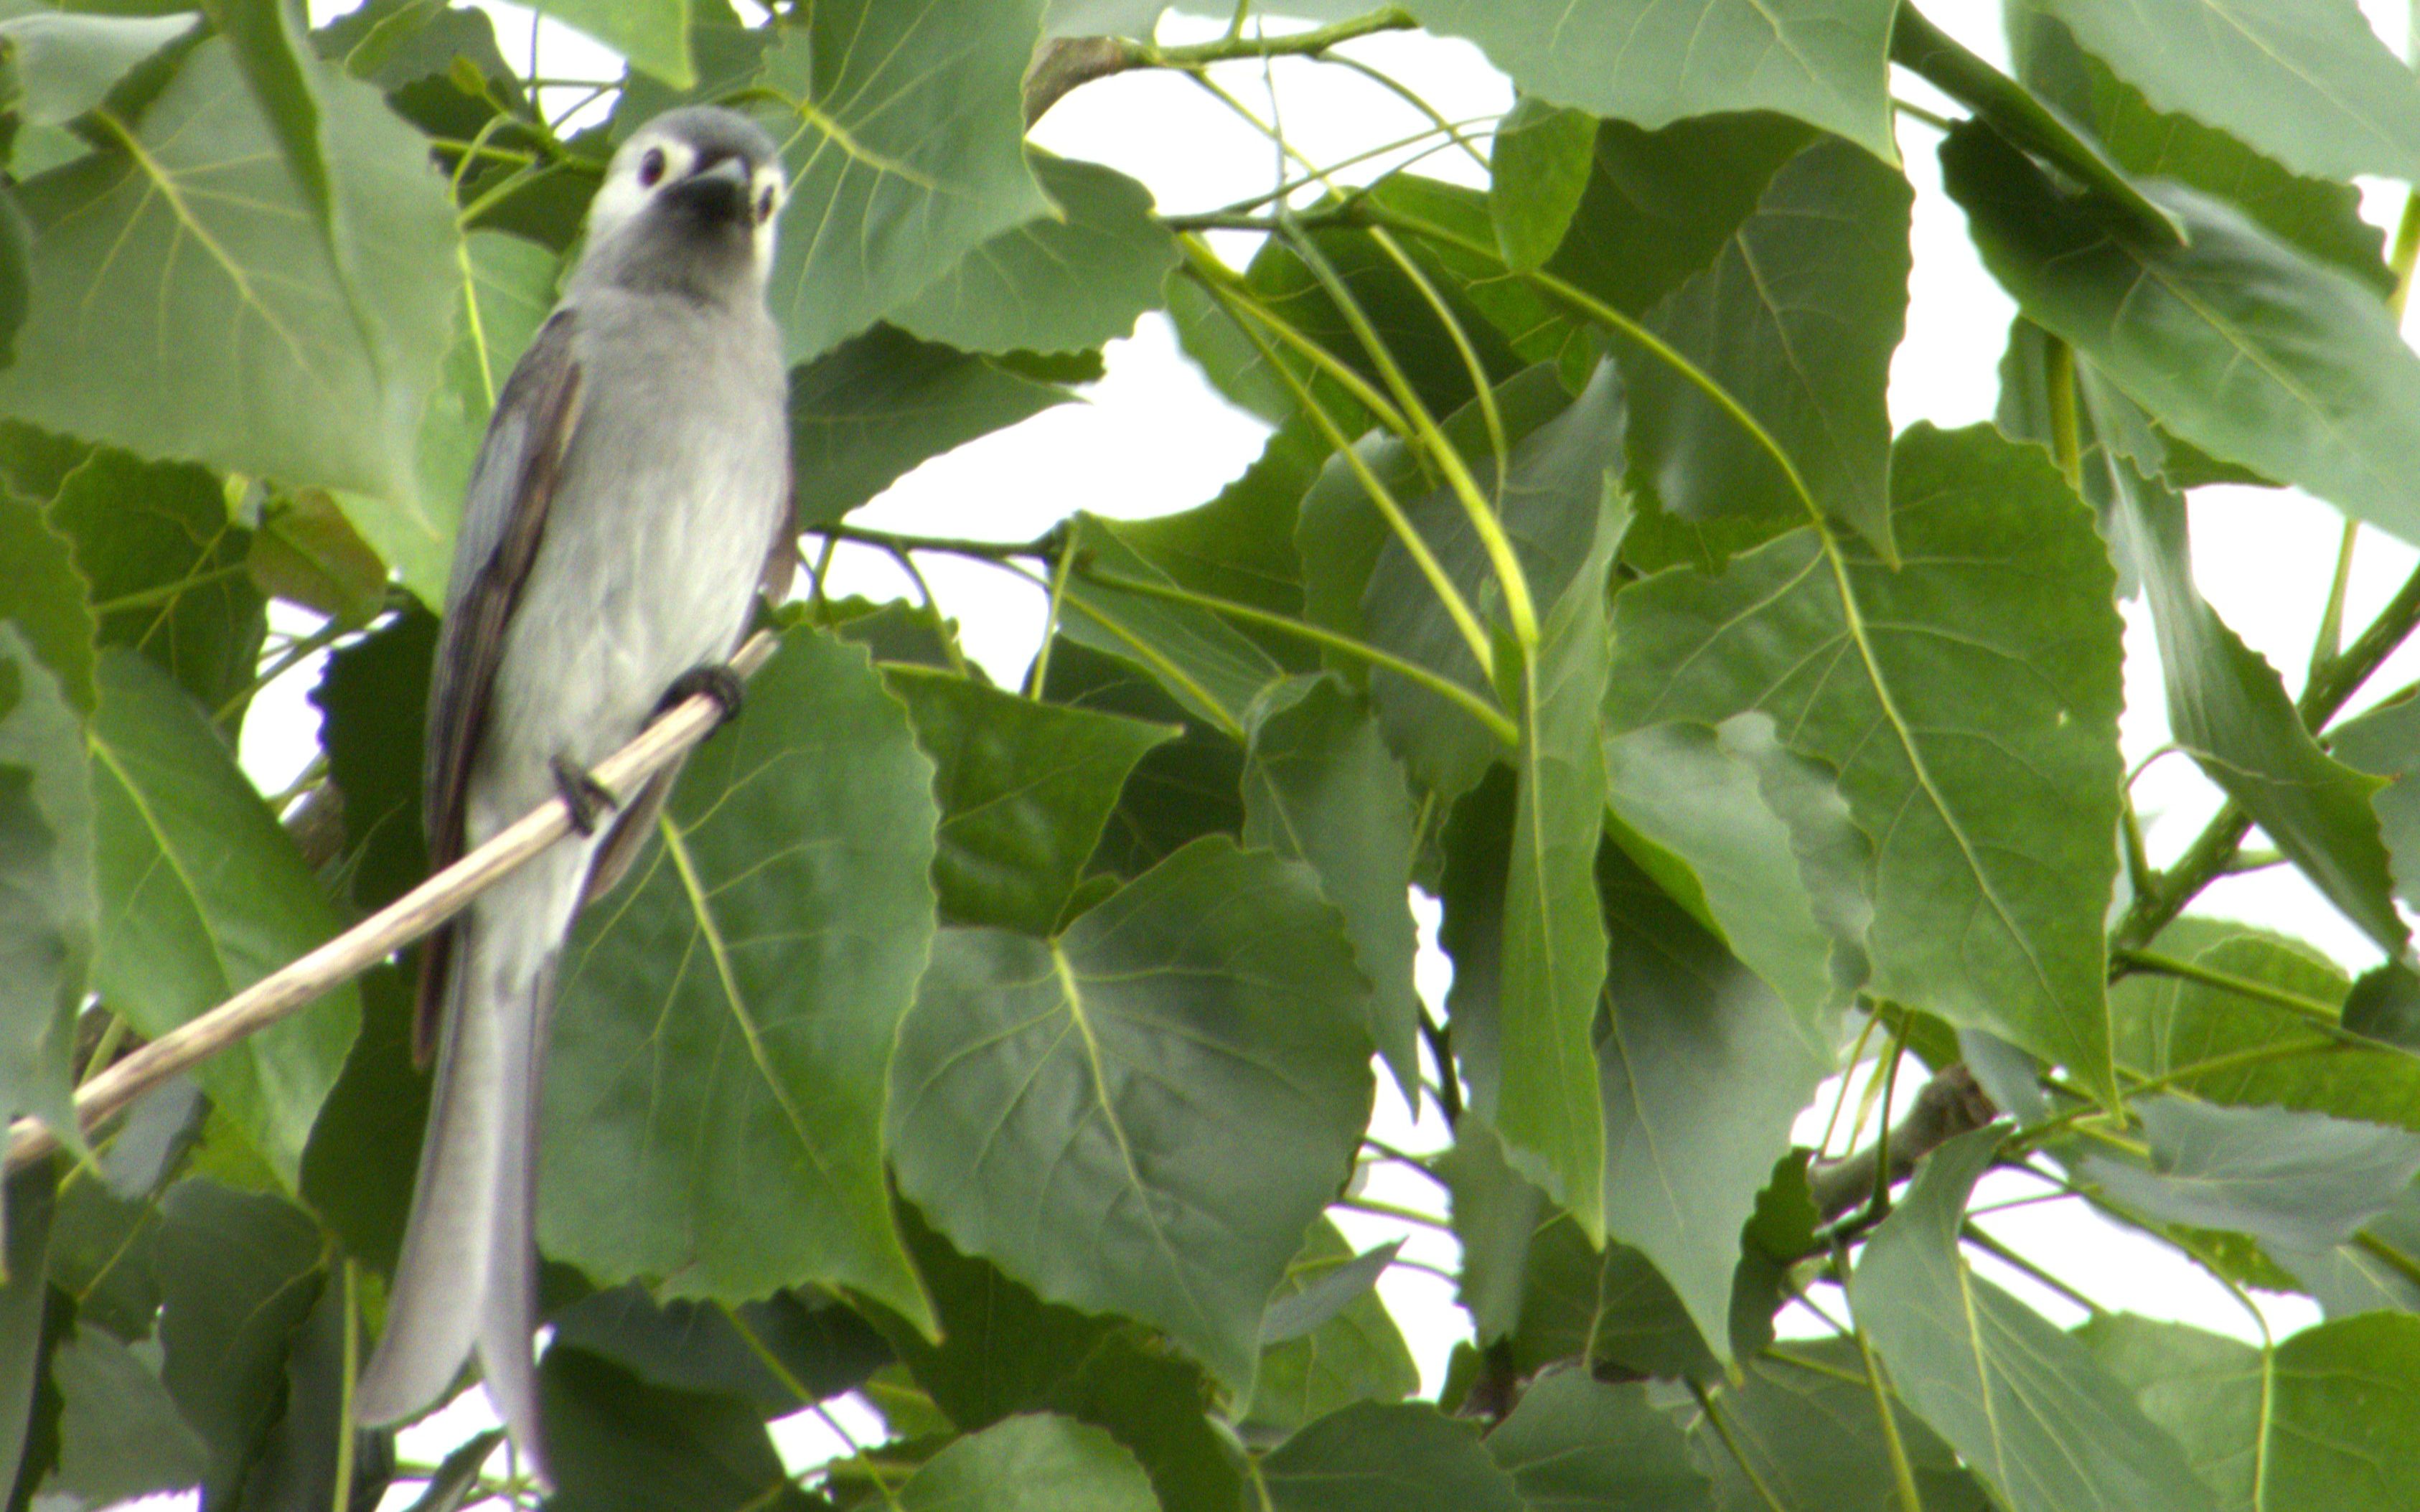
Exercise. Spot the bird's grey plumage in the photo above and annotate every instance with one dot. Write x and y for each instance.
(633, 488)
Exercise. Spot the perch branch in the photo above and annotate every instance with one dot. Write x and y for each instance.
(303, 981)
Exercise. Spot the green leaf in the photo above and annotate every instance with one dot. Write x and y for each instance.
(1066, 281)
(2225, 1047)
(1180, 1080)
(359, 1168)
(373, 699)
(2023, 1403)
(905, 146)
(1239, 547)
(2382, 743)
(1805, 1419)
(1398, 310)
(1824, 61)
(1991, 800)
(1817, 274)
(1540, 1293)
(121, 1435)
(1660, 205)
(238, 1274)
(44, 598)
(307, 553)
(2297, 1178)
(2333, 1423)
(2304, 81)
(1704, 1070)
(715, 1092)
(100, 1249)
(1449, 231)
(2320, 217)
(1025, 789)
(1576, 1445)
(780, 1353)
(1186, 788)
(1362, 580)
(156, 538)
(201, 895)
(618, 1444)
(1320, 787)
(1539, 168)
(188, 233)
(876, 406)
(1040, 1463)
(1546, 1100)
(1002, 1350)
(652, 34)
(1477, 866)
(1368, 1458)
(1353, 1354)
(2228, 707)
(48, 910)
(27, 1333)
(65, 64)
(2237, 343)
(1203, 661)
(1693, 816)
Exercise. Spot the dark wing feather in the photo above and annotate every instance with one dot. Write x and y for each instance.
(503, 519)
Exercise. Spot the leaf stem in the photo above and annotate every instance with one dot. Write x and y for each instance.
(1518, 605)
(165, 593)
(1723, 1431)
(2067, 428)
(1981, 1241)
(345, 1436)
(1605, 315)
(1038, 675)
(1389, 1209)
(1474, 635)
(1444, 687)
(2244, 987)
(1902, 1472)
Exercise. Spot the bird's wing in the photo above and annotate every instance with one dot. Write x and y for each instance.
(503, 519)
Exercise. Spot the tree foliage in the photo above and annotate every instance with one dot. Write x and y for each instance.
(999, 1054)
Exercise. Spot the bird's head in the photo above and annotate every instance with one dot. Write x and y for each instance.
(691, 198)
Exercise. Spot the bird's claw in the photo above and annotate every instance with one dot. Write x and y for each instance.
(587, 799)
(714, 679)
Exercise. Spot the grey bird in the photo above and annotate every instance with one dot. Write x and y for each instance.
(632, 494)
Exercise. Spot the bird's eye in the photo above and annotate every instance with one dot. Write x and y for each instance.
(651, 168)
(764, 204)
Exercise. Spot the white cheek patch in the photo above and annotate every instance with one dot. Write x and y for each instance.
(622, 196)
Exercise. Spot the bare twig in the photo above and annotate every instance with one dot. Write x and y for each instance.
(1950, 1105)
(300, 982)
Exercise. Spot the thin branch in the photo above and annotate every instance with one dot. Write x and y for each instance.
(1950, 1105)
(303, 982)
(1065, 63)
(2320, 1013)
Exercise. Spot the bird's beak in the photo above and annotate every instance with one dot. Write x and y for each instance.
(718, 190)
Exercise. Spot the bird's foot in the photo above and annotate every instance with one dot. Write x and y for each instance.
(587, 799)
(714, 679)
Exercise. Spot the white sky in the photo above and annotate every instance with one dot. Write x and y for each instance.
(1153, 438)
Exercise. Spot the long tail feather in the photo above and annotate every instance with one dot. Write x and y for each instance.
(467, 1276)
(432, 1308)
(509, 1311)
